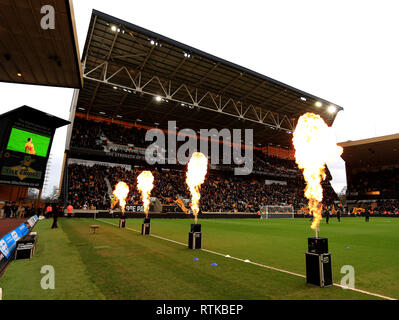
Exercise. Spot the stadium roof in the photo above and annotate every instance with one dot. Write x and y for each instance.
(373, 152)
(32, 55)
(36, 116)
(134, 74)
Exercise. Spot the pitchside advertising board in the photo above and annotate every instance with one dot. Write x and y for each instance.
(9, 241)
(26, 136)
(134, 208)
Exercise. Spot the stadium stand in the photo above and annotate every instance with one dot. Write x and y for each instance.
(373, 174)
(147, 81)
(221, 192)
(385, 181)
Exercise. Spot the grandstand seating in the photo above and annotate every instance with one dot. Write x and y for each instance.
(376, 189)
(384, 181)
(222, 191)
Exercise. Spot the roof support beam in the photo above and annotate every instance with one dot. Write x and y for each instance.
(230, 83)
(187, 95)
(207, 74)
(103, 72)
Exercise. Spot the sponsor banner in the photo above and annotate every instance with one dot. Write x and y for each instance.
(32, 221)
(22, 169)
(8, 243)
(269, 182)
(124, 155)
(90, 163)
(134, 208)
(22, 230)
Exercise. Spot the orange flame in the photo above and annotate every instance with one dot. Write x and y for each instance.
(121, 191)
(145, 183)
(314, 144)
(195, 176)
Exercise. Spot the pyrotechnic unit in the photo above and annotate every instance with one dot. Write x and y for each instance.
(195, 177)
(315, 144)
(121, 192)
(145, 183)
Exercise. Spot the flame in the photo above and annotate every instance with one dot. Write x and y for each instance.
(145, 183)
(195, 176)
(314, 144)
(121, 191)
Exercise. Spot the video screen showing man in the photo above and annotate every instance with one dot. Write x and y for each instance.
(28, 142)
(29, 147)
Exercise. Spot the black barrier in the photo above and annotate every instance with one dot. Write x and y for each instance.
(28, 225)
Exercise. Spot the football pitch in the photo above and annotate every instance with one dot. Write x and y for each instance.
(122, 264)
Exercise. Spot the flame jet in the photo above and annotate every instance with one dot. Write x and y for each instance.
(145, 183)
(314, 144)
(195, 176)
(121, 191)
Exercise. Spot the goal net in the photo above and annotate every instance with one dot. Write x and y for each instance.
(271, 212)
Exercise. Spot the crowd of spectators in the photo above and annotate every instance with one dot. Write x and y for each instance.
(87, 187)
(219, 193)
(387, 206)
(222, 191)
(17, 210)
(385, 181)
(111, 137)
(86, 134)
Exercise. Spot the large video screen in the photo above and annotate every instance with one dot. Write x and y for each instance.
(28, 142)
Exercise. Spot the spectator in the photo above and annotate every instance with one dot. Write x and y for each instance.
(69, 210)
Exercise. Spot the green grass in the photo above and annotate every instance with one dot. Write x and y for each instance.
(122, 264)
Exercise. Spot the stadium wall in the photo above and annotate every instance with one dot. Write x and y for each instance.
(13, 193)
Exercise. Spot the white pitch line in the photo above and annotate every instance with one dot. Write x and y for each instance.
(365, 292)
(258, 264)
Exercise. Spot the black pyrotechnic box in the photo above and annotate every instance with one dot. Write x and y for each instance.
(318, 263)
(26, 247)
(317, 245)
(122, 222)
(146, 227)
(195, 237)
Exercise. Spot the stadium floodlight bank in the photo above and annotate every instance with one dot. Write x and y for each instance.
(272, 212)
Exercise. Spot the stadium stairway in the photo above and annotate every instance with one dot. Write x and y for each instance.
(108, 186)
